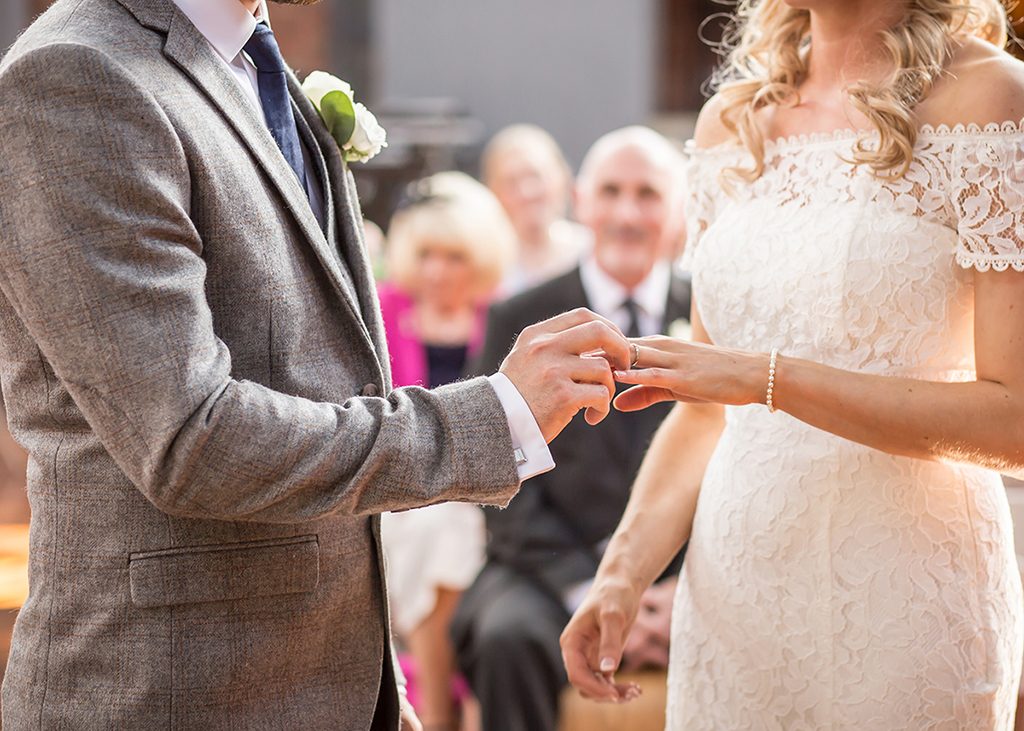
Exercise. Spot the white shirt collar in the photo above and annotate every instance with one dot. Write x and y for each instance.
(226, 24)
(606, 295)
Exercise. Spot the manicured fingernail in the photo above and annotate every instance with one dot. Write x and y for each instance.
(607, 665)
(619, 374)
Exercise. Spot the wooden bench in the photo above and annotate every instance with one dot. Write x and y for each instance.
(647, 713)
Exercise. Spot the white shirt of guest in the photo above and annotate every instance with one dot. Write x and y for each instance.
(227, 27)
(606, 295)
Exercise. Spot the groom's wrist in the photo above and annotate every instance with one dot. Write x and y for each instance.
(530, 450)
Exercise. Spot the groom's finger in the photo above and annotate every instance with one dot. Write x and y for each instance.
(573, 318)
(594, 398)
(593, 336)
(594, 370)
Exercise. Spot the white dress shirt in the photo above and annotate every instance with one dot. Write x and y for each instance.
(227, 27)
(607, 296)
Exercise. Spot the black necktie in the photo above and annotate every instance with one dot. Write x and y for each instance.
(630, 423)
(277, 103)
(633, 325)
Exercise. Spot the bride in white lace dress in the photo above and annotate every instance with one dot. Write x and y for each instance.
(851, 561)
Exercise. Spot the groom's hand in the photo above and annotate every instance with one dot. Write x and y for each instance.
(565, 364)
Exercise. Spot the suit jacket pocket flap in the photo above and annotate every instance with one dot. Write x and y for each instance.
(224, 572)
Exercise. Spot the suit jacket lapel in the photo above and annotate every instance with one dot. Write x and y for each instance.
(320, 169)
(187, 48)
(349, 219)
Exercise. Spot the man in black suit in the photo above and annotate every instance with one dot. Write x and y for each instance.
(544, 549)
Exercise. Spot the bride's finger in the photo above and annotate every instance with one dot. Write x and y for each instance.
(655, 376)
(664, 343)
(646, 356)
(641, 397)
(589, 683)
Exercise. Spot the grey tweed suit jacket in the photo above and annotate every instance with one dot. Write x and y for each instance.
(190, 358)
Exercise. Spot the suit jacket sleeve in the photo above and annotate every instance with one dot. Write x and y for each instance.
(104, 268)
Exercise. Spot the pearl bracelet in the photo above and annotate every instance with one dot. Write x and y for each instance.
(772, 362)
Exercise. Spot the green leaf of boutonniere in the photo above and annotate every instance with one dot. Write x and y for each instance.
(351, 124)
(339, 115)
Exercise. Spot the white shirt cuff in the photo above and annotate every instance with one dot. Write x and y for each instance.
(532, 454)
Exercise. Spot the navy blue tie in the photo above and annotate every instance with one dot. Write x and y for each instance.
(277, 104)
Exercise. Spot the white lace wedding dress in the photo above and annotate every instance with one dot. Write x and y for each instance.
(828, 585)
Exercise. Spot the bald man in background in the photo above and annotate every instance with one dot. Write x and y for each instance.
(545, 548)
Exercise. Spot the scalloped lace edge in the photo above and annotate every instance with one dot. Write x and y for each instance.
(971, 129)
(969, 260)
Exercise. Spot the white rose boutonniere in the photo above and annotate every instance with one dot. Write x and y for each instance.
(350, 123)
(680, 329)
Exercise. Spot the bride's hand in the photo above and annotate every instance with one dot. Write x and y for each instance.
(667, 369)
(593, 641)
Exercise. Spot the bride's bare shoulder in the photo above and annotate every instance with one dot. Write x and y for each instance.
(710, 131)
(983, 84)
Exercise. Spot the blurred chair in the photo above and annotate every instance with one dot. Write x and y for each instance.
(647, 713)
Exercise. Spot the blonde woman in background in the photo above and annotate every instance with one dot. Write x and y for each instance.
(448, 247)
(524, 167)
(857, 242)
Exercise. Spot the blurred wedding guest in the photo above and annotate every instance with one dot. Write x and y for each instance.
(448, 247)
(376, 246)
(545, 547)
(526, 170)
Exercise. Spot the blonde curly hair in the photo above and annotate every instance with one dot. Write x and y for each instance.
(765, 60)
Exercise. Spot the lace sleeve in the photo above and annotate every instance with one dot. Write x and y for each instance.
(699, 208)
(988, 197)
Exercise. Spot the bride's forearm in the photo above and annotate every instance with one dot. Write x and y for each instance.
(980, 422)
(659, 515)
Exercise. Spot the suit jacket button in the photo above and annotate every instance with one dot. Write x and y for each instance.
(370, 389)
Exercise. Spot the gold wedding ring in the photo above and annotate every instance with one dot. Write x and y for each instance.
(636, 355)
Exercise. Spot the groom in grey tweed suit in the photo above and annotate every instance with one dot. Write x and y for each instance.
(197, 368)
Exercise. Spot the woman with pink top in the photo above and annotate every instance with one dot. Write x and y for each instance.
(448, 248)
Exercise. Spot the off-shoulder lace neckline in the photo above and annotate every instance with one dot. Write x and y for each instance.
(849, 134)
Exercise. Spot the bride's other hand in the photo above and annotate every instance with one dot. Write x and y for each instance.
(594, 640)
(668, 369)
